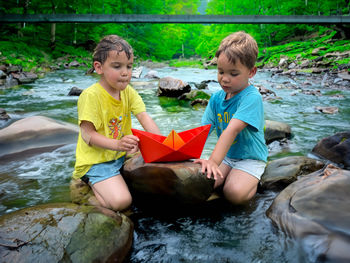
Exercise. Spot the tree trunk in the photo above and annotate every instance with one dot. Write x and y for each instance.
(53, 36)
(53, 28)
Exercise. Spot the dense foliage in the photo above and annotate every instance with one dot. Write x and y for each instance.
(152, 41)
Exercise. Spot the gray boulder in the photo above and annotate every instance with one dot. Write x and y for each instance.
(315, 210)
(64, 233)
(171, 87)
(282, 172)
(275, 130)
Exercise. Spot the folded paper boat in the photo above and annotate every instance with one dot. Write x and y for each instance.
(176, 147)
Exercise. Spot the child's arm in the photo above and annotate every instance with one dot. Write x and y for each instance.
(147, 123)
(221, 148)
(129, 143)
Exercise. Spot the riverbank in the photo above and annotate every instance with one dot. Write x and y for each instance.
(326, 51)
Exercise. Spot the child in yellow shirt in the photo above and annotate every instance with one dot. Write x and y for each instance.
(104, 115)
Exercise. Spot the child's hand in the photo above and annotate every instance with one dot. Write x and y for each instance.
(211, 167)
(133, 150)
(129, 144)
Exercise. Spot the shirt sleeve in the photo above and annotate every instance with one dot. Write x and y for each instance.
(209, 115)
(88, 108)
(136, 103)
(251, 111)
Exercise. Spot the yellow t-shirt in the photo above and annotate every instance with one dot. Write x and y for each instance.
(111, 118)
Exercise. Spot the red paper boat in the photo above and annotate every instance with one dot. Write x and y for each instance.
(176, 147)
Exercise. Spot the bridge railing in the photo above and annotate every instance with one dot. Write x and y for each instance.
(183, 19)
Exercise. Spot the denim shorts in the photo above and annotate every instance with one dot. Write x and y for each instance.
(255, 168)
(102, 171)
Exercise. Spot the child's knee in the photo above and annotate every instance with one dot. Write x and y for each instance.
(235, 195)
(121, 203)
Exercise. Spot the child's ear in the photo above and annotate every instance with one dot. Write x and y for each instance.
(98, 67)
(252, 72)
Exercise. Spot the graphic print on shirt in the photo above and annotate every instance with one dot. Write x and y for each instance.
(115, 127)
(225, 118)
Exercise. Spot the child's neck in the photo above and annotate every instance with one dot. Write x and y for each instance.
(114, 93)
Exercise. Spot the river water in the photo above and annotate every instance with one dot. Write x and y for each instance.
(219, 233)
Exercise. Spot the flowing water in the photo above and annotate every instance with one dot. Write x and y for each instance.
(221, 233)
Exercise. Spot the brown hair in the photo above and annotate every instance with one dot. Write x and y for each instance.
(109, 43)
(239, 45)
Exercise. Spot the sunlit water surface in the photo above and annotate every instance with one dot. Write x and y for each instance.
(221, 234)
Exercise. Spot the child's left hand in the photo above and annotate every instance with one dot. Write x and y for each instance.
(211, 167)
(133, 150)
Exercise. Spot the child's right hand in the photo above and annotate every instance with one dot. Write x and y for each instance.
(210, 167)
(128, 143)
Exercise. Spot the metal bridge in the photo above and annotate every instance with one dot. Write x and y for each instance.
(179, 19)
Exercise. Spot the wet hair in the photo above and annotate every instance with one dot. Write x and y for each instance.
(110, 43)
(239, 46)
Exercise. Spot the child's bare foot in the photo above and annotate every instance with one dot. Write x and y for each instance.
(329, 170)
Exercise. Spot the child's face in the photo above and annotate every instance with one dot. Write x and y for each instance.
(116, 71)
(233, 78)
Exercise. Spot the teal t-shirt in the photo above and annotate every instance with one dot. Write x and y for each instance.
(246, 106)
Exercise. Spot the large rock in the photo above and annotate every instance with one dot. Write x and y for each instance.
(335, 148)
(282, 172)
(171, 87)
(315, 210)
(64, 233)
(275, 130)
(178, 182)
(34, 135)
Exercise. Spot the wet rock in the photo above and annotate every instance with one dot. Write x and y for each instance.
(90, 71)
(143, 84)
(312, 92)
(164, 183)
(136, 72)
(328, 110)
(152, 74)
(2, 74)
(10, 81)
(305, 63)
(73, 64)
(195, 95)
(344, 75)
(75, 91)
(3, 115)
(34, 135)
(25, 77)
(335, 148)
(275, 130)
(211, 62)
(171, 87)
(64, 232)
(283, 63)
(202, 85)
(201, 102)
(282, 172)
(315, 210)
(13, 68)
(266, 93)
